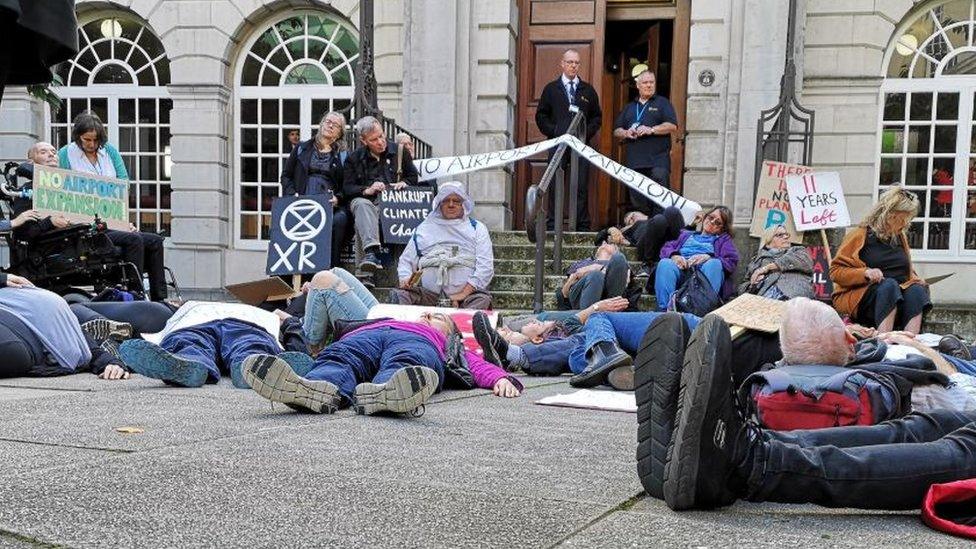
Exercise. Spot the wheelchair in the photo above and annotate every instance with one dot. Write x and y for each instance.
(77, 262)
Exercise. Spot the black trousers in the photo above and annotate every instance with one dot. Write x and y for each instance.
(886, 466)
(582, 195)
(22, 352)
(639, 202)
(886, 296)
(145, 251)
(146, 317)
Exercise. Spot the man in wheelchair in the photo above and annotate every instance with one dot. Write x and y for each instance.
(54, 252)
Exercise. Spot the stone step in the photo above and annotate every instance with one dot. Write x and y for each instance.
(507, 300)
(519, 237)
(525, 283)
(571, 253)
(959, 319)
(527, 266)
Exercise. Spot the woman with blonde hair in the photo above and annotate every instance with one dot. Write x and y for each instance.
(874, 281)
(315, 166)
(779, 270)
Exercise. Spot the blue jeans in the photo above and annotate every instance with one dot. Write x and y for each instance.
(326, 305)
(373, 354)
(219, 344)
(668, 276)
(611, 281)
(624, 329)
(886, 466)
(964, 366)
(550, 358)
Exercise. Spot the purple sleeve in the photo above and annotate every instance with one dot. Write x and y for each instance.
(671, 247)
(486, 374)
(727, 253)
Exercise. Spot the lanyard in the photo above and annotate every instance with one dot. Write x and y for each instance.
(640, 113)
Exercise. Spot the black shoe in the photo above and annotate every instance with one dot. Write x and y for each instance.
(495, 347)
(603, 358)
(955, 347)
(711, 442)
(370, 262)
(657, 375)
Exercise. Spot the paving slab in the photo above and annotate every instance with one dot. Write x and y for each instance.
(41, 457)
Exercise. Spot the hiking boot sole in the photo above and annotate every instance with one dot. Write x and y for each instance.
(621, 378)
(101, 329)
(482, 334)
(684, 452)
(274, 379)
(407, 390)
(657, 375)
(153, 361)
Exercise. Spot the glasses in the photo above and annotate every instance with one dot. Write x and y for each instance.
(781, 235)
(715, 220)
(571, 62)
(332, 124)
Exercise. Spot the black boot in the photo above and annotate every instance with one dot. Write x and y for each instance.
(601, 359)
(712, 446)
(495, 347)
(953, 346)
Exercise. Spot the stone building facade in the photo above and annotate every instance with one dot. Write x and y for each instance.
(448, 70)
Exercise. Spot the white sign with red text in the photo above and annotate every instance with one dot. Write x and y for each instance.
(817, 201)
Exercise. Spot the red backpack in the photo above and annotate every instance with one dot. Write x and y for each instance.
(814, 397)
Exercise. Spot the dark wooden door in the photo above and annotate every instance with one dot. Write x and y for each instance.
(547, 29)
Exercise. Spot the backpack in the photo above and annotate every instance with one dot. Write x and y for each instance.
(815, 397)
(695, 296)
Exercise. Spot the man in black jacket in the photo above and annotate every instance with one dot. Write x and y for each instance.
(561, 99)
(369, 171)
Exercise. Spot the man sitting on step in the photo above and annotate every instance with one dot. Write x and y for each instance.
(204, 340)
(382, 366)
(449, 260)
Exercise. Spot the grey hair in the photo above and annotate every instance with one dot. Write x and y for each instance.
(366, 124)
(403, 136)
(642, 73)
(813, 333)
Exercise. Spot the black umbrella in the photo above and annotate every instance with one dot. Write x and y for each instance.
(34, 36)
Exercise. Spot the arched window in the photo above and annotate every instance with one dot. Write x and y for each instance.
(291, 73)
(928, 131)
(120, 73)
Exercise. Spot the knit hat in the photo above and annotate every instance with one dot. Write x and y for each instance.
(951, 508)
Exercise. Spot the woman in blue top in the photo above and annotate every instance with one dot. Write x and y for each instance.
(90, 151)
(710, 249)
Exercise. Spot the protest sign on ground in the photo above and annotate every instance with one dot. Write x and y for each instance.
(301, 234)
(753, 312)
(772, 206)
(81, 196)
(401, 211)
(817, 201)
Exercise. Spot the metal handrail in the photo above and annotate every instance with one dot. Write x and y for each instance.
(536, 216)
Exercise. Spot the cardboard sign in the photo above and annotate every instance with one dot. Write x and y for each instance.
(259, 291)
(81, 196)
(817, 201)
(753, 312)
(772, 205)
(401, 211)
(823, 287)
(461, 317)
(301, 234)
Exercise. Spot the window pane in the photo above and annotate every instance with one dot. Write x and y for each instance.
(249, 199)
(147, 140)
(941, 203)
(147, 168)
(894, 108)
(147, 110)
(269, 111)
(945, 139)
(290, 111)
(249, 226)
(319, 108)
(893, 139)
(269, 140)
(972, 140)
(249, 111)
(916, 171)
(921, 106)
(112, 74)
(165, 106)
(269, 170)
(918, 139)
(249, 169)
(915, 232)
(249, 140)
(970, 243)
(890, 171)
(970, 204)
(127, 139)
(942, 171)
(127, 111)
(268, 194)
(938, 236)
(165, 195)
(962, 63)
(249, 74)
(948, 107)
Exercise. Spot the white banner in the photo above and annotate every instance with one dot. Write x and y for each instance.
(434, 168)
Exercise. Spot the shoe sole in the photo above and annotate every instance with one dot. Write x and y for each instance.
(274, 379)
(681, 469)
(581, 381)
(621, 378)
(407, 390)
(101, 329)
(657, 375)
(480, 326)
(370, 267)
(153, 361)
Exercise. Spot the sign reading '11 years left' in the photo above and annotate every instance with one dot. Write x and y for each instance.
(81, 196)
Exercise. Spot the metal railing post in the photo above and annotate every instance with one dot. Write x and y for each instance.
(574, 172)
(557, 220)
(540, 261)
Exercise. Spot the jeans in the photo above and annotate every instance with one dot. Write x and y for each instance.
(660, 175)
(324, 306)
(668, 276)
(611, 281)
(886, 296)
(340, 225)
(373, 354)
(145, 251)
(886, 466)
(220, 345)
(624, 329)
(551, 357)
(964, 366)
(366, 218)
(146, 317)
